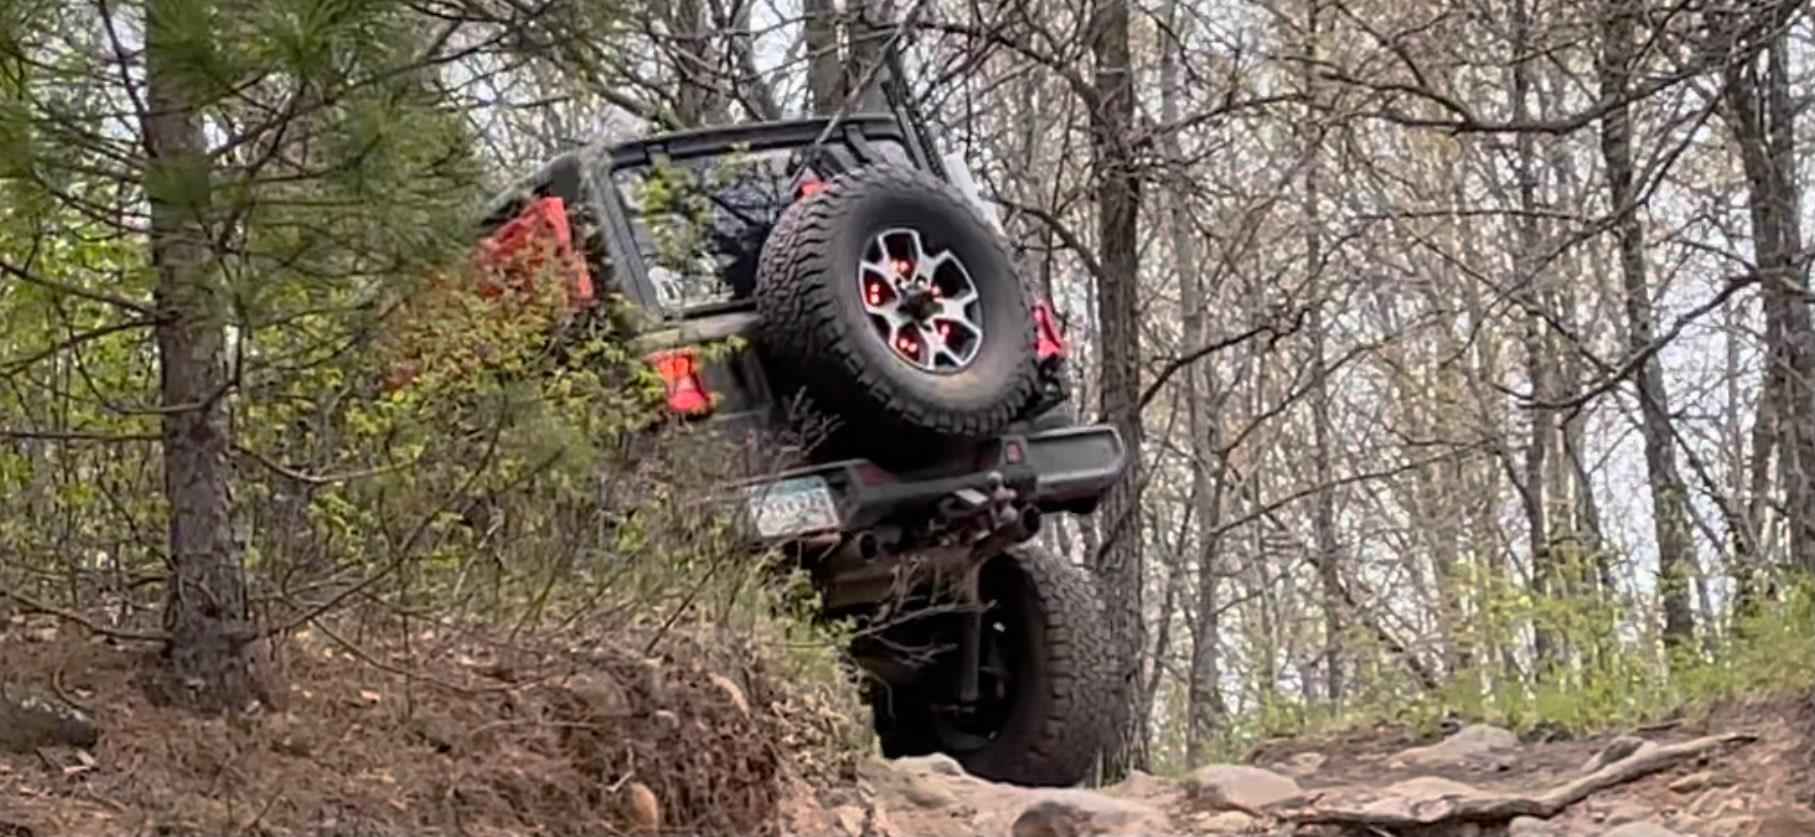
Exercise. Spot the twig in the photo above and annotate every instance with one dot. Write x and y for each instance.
(32, 605)
(1273, 330)
(56, 686)
(76, 436)
(306, 478)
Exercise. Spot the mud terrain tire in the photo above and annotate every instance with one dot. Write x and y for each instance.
(818, 332)
(1061, 709)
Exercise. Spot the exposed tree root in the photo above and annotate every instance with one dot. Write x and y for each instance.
(1490, 806)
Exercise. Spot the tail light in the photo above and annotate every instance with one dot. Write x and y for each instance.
(687, 393)
(1049, 342)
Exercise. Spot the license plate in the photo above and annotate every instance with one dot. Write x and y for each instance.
(790, 507)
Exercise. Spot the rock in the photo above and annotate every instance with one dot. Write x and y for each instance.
(1305, 764)
(850, 819)
(924, 782)
(927, 795)
(1692, 782)
(1472, 743)
(1225, 822)
(1744, 826)
(1784, 821)
(29, 720)
(878, 824)
(1620, 813)
(1431, 787)
(732, 692)
(642, 808)
(1070, 812)
(1641, 829)
(937, 763)
(1717, 802)
(1139, 785)
(1240, 788)
(1530, 827)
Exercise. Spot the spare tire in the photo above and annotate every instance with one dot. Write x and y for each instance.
(894, 307)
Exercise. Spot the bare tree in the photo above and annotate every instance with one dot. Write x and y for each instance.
(1323, 521)
(1118, 203)
(1669, 496)
(1760, 117)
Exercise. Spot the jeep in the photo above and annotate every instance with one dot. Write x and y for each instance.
(864, 275)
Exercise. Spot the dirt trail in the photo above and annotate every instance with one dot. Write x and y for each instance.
(604, 742)
(1742, 770)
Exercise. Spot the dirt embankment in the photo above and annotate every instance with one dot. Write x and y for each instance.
(483, 739)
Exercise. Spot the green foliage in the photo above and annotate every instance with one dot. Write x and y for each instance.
(1619, 673)
(406, 447)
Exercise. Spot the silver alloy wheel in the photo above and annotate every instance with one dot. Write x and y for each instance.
(924, 305)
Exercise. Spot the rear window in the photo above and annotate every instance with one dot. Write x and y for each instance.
(700, 222)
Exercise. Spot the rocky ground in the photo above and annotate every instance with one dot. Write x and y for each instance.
(606, 743)
(1737, 771)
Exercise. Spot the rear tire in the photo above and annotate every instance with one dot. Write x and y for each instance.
(1058, 709)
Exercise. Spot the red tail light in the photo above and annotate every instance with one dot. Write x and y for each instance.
(1050, 343)
(687, 394)
(811, 187)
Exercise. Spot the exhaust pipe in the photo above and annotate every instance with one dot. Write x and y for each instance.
(1029, 522)
(862, 547)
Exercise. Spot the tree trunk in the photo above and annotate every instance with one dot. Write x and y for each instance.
(205, 609)
(1203, 695)
(1759, 113)
(1669, 495)
(1537, 350)
(825, 69)
(866, 30)
(1118, 209)
(700, 101)
(1323, 521)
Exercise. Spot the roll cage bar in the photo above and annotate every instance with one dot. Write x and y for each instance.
(582, 178)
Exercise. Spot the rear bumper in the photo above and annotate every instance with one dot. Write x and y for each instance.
(1068, 469)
